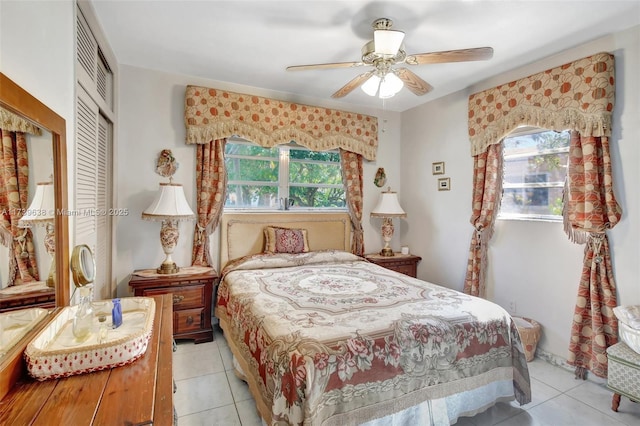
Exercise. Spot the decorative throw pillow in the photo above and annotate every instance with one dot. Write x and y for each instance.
(285, 240)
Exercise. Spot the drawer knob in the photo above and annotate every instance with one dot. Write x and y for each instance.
(189, 320)
(177, 298)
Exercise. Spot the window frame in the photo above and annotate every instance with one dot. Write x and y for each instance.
(283, 184)
(524, 186)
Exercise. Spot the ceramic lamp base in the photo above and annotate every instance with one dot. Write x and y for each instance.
(168, 268)
(168, 238)
(387, 252)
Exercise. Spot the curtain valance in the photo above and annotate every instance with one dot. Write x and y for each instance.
(576, 96)
(212, 114)
(11, 122)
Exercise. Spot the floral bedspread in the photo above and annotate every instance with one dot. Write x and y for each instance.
(328, 338)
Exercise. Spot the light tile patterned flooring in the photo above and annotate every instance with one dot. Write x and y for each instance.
(210, 394)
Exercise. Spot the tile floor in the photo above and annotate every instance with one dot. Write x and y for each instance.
(210, 394)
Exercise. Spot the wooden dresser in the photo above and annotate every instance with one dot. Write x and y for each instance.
(192, 300)
(404, 263)
(140, 393)
(42, 298)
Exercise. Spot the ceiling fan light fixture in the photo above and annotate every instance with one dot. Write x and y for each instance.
(387, 42)
(370, 87)
(390, 85)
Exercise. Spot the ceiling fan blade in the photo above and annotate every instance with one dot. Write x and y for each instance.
(462, 55)
(325, 66)
(413, 82)
(348, 88)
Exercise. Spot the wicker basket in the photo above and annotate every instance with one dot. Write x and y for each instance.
(529, 334)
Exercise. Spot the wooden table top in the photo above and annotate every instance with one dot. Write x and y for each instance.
(139, 393)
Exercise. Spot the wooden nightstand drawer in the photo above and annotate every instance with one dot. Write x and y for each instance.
(183, 298)
(191, 295)
(187, 321)
(404, 263)
(407, 269)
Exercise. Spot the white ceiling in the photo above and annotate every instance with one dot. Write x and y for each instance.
(252, 42)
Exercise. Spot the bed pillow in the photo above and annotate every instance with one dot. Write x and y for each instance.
(285, 240)
(629, 315)
(629, 326)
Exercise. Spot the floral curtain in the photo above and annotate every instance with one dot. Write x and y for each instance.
(487, 194)
(578, 96)
(352, 179)
(211, 183)
(590, 209)
(14, 193)
(212, 114)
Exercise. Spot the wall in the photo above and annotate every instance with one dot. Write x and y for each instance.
(531, 263)
(37, 52)
(151, 111)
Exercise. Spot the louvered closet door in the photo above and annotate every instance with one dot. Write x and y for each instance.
(92, 69)
(92, 189)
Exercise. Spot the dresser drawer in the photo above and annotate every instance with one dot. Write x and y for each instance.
(183, 297)
(188, 320)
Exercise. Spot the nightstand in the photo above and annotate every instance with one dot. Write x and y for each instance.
(191, 294)
(404, 263)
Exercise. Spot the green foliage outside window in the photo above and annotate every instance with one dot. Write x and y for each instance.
(534, 173)
(314, 179)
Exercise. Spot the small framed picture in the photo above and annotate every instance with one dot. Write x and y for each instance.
(444, 184)
(437, 168)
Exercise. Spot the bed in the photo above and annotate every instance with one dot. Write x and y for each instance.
(323, 337)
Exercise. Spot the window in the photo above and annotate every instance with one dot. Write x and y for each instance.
(535, 167)
(262, 178)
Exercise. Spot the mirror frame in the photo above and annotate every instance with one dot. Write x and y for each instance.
(17, 100)
(83, 265)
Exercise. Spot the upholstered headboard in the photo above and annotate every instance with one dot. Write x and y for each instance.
(242, 234)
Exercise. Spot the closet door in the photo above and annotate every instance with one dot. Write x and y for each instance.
(92, 189)
(95, 116)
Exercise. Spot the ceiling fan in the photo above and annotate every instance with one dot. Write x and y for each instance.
(384, 53)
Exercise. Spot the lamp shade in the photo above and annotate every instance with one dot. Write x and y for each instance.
(387, 42)
(370, 87)
(42, 209)
(390, 85)
(385, 87)
(170, 203)
(388, 206)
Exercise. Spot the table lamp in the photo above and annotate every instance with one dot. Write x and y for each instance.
(170, 206)
(41, 212)
(387, 208)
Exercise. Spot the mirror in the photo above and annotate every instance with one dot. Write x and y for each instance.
(83, 265)
(17, 100)
(35, 228)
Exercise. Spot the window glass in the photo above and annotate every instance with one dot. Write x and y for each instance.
(315, 179)
(263, 177)
(252, 173)
(535, 167)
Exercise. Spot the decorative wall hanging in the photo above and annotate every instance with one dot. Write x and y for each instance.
(381, 178)
(444, 184)
(437, 168)
(212, 114)
(166, 165)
